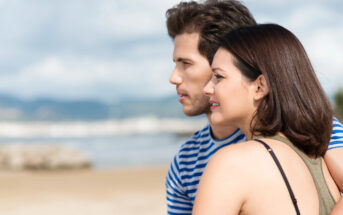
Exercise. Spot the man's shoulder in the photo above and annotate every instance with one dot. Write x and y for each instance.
(198, 137)
(186, 158)
(205, 131)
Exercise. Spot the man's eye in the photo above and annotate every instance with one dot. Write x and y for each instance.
(186, 63)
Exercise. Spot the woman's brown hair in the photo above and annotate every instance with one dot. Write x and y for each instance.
(296, 104)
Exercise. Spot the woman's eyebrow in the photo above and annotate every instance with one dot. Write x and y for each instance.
(217, 68)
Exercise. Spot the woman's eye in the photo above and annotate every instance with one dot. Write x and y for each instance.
(218, 76)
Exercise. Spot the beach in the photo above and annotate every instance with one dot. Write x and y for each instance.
(127, 174)
(81, 192)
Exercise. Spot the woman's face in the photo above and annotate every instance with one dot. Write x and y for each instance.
(231, 94)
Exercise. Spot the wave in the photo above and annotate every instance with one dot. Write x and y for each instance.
(83, 129)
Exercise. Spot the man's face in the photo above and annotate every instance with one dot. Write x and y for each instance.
(191, 74)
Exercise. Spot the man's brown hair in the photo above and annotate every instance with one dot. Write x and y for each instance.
(211, 19)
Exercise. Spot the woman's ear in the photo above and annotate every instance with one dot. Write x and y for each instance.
(261, 88)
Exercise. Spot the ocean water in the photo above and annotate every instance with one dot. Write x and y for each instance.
(144, 141)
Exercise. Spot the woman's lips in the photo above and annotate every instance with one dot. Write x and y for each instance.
(214, 104)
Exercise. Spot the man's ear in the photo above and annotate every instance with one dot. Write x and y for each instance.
(261, 88)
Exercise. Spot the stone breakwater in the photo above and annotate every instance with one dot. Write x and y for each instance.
(41, 157)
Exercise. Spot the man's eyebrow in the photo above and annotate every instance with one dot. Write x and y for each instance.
(181, 59)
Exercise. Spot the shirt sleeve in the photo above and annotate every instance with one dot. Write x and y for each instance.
(336, 140)
(178, 202)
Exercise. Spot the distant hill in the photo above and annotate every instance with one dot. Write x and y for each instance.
(12, 108)
(164, 107)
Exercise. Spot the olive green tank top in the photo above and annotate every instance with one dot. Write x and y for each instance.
(326, 200)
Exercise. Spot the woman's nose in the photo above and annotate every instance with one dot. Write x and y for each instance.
(209, 88)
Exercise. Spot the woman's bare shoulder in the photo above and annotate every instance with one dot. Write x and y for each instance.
(240, 156)
(241, 151)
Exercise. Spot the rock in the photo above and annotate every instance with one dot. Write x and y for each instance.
(41, 157)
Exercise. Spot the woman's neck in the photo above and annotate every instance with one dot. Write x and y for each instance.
(245, 126)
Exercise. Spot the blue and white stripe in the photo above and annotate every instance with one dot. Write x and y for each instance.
(337, 135)
(188, 165)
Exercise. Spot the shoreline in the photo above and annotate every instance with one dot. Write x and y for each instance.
(124, 191)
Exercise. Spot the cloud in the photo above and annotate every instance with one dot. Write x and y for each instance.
(70, 77)
(84, 48)
(325, 48)
(316, 25)
(112, 49)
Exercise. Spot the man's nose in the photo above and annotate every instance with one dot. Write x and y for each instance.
(175, 77)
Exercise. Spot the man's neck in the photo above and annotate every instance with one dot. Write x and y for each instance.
(221, 131)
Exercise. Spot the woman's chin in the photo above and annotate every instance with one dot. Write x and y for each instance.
(216, 119)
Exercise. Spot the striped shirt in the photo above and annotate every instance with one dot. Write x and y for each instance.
(337, 135)
(189, 163)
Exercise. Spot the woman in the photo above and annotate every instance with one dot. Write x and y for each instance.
(282, 109)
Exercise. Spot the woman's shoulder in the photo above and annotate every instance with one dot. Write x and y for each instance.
(242, 164)
(241, 151)
(242, 156)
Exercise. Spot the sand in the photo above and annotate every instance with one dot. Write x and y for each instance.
(122, 192)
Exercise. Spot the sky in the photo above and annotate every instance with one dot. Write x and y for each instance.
(112, 50)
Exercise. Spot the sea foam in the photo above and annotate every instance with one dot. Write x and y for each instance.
(84, 129)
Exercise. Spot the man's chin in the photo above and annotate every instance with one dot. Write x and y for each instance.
(191, 114)
(192, 111)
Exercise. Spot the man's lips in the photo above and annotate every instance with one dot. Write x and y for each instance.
(213, 104)
(182, 97)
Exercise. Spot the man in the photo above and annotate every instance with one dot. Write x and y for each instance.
(196, 29)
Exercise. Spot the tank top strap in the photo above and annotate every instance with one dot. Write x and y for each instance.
(307, 159)
(326, 200)
(290, 191)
